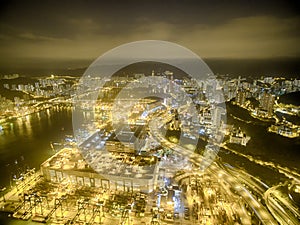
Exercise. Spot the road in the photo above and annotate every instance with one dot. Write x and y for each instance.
(282, 209)
(214, 169)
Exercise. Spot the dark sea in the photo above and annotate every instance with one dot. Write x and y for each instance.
(25, 142)
(263, 145)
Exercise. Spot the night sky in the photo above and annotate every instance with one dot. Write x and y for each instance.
(34, 33)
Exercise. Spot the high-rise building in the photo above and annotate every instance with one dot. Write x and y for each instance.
(217, 113)
(267, 102)
(240, 97)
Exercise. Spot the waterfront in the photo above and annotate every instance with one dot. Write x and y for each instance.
(264, 145)
(26, 140)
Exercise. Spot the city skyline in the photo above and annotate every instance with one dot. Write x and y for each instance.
(153, 113)
(250, 182)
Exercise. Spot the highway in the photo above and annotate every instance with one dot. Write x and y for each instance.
(282, 209)
(214, 169)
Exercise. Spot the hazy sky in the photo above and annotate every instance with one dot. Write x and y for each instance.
(83, 30)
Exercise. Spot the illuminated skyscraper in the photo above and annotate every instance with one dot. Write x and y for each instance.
(240, 97)
(267, 102)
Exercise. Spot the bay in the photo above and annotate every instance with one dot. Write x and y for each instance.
(25, 142)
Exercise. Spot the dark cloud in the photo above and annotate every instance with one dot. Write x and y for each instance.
(86, 29)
